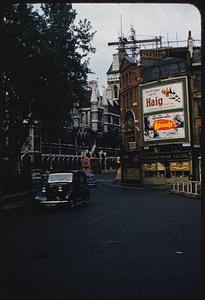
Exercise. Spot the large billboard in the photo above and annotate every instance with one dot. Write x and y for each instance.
(164, 111)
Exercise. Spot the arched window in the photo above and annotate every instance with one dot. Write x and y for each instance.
(115, 91)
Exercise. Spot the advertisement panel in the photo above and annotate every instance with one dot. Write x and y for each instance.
(166, 126)
(163, 97)
(180, 166)
(149, 167)
(153, 167)
(160, 167)
(164, 109)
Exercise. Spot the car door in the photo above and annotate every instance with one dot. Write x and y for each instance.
(76, 192)
(80, 178)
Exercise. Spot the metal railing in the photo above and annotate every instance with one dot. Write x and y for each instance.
(187, 187)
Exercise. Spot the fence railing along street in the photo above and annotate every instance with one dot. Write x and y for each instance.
(187, 187)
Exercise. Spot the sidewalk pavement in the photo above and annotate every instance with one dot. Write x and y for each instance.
(113, 183)
(167, 188)
(17, 200)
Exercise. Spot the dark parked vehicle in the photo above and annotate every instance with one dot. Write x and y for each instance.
(91, 179)
(37, 180)
(64, 189)
(36, 176)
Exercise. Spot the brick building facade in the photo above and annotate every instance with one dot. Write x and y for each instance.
(160, 160)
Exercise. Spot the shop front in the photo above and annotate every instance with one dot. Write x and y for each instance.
(164, 168)
(131, 168)
(180, 169)
(153, 173)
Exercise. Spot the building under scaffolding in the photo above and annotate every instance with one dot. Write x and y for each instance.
(160, 101)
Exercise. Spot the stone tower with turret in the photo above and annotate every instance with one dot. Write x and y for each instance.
(113, 79)
(105, 106)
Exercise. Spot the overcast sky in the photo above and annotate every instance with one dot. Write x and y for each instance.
(171, 21)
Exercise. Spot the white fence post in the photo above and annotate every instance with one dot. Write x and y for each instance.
(186, 187)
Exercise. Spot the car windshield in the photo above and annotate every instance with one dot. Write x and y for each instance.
(60, 177)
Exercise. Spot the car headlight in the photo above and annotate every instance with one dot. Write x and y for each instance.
(43, 190)
(60, 189)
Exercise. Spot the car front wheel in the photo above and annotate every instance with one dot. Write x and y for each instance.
(86, 202)
(72, 204)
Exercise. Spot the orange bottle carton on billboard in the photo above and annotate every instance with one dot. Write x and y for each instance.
(163, 124)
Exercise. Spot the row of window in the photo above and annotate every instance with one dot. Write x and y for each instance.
(111, 119)
(155, 73)
(167, 175)
(113, 78)
(126, 79)
(126, 99)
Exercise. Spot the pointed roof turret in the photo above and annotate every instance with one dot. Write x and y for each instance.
(94, 95)
(98, 92)
(104, 99)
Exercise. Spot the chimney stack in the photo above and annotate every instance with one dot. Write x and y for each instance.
(190, 44)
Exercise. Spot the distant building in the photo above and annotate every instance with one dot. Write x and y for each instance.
(113, 79)
(93, 130)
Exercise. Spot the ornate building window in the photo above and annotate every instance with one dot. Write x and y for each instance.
(126, 79)
(198, 82)
(115, 91)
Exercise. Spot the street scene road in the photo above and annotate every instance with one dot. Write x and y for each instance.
(128, 242)
(102, 158)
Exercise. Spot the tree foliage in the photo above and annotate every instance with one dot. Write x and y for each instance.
(46, 63)
(18, 78)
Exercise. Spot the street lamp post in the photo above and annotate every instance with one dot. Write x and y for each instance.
(76, 144)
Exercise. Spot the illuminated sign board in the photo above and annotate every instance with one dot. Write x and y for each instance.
(164, 107)
(180, 166)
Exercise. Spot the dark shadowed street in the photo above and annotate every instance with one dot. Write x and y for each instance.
(127, 242)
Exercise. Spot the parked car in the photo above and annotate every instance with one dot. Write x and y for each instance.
(64, 189)
(35, 173)
(36, 177)
(37, 181)
(91, 179)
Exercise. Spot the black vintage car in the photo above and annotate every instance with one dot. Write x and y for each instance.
(64, 189)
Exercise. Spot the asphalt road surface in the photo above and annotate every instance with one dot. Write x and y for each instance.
(126, 243)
